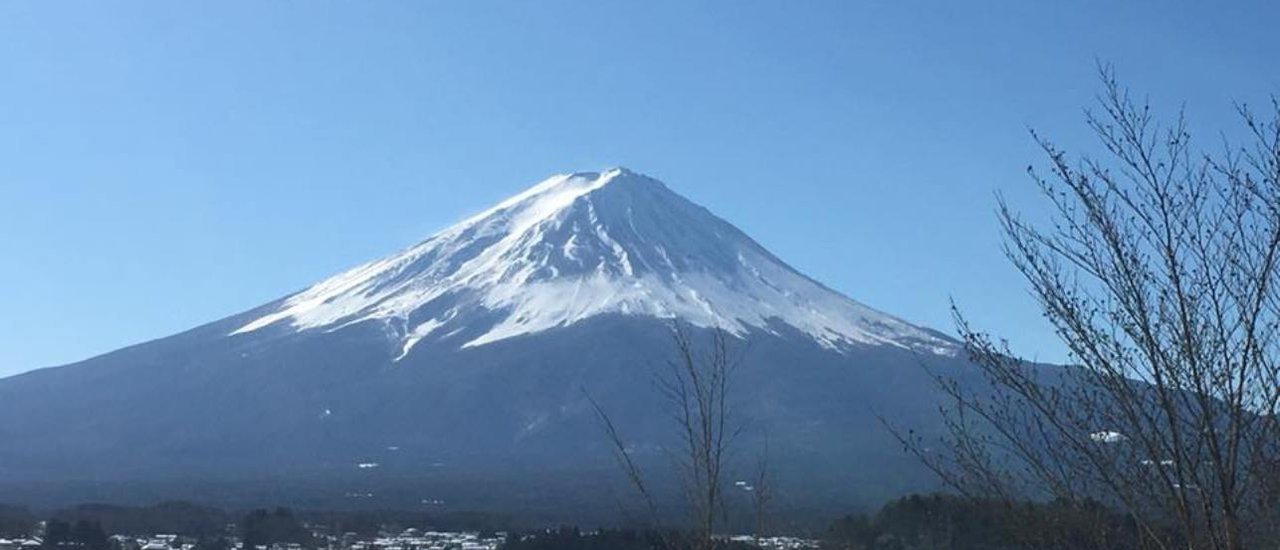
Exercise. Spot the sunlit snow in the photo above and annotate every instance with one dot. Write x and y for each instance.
(577, 246)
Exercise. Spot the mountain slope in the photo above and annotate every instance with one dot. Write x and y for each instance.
(459, 369)
(580, 245)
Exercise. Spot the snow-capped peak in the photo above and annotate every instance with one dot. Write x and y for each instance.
(580, 245)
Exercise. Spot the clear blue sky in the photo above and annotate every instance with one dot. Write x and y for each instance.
(165, 164)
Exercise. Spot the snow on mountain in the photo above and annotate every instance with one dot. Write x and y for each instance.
(580, 245)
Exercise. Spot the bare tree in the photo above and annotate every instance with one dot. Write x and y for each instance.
(696, 386)
(697, 389)
(620, 452)
(1159, 273)
(762, 492)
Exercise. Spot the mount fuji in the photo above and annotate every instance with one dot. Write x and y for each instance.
(459, 372)
(577, 246)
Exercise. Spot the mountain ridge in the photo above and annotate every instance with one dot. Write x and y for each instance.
(577, 245)
(257, 402)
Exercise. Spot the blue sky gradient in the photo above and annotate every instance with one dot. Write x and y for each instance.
(165, 164)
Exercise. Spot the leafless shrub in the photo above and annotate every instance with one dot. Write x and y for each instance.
(1159, 273)
(695, 384)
